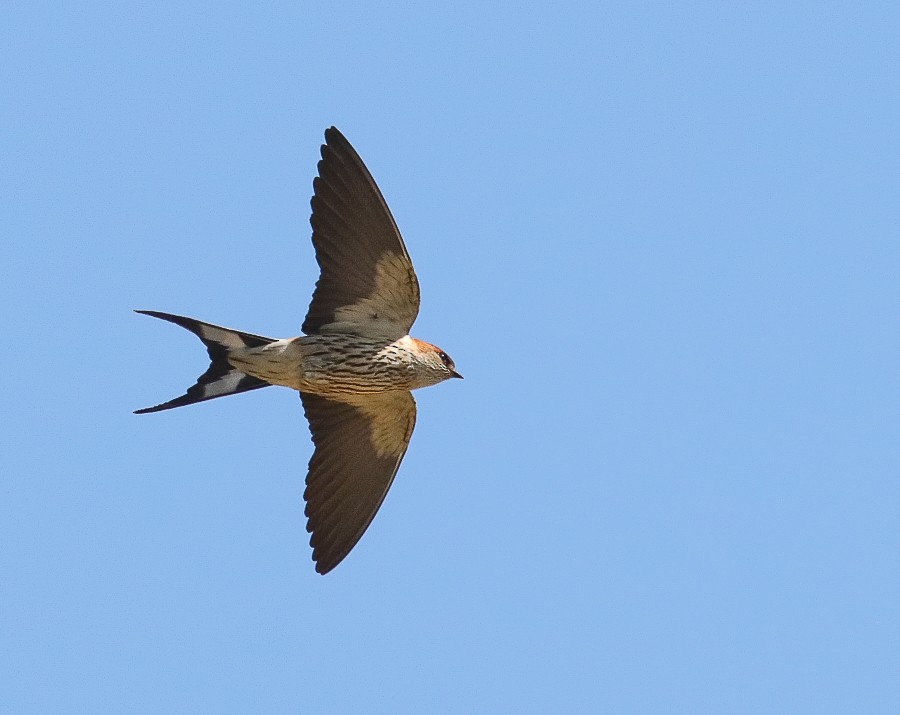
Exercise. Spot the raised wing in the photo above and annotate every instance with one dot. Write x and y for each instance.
(359, 443)
(368, 285)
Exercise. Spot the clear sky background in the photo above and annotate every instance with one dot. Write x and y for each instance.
(661, 243)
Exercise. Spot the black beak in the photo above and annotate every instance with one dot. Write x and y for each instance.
(454, 373)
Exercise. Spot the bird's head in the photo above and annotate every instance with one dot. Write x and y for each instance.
(436, 365)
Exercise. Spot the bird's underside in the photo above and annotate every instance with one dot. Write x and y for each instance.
(358, 403)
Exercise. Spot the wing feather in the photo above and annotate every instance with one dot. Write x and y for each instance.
(359, 444)
(367, 284)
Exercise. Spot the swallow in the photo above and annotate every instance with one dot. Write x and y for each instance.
(355, 366)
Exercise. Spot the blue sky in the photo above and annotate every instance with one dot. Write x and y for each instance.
(660, 242)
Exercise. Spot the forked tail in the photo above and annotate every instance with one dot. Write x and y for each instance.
(221, 378)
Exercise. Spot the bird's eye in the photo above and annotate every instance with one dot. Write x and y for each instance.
(445, 358)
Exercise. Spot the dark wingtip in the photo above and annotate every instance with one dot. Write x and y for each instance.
(324, 561)
(323, 568)
(335, 138)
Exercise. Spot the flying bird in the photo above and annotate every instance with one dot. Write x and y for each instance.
(355, 366)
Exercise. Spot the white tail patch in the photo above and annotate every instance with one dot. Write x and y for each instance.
(226, 338)
(225, 385)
